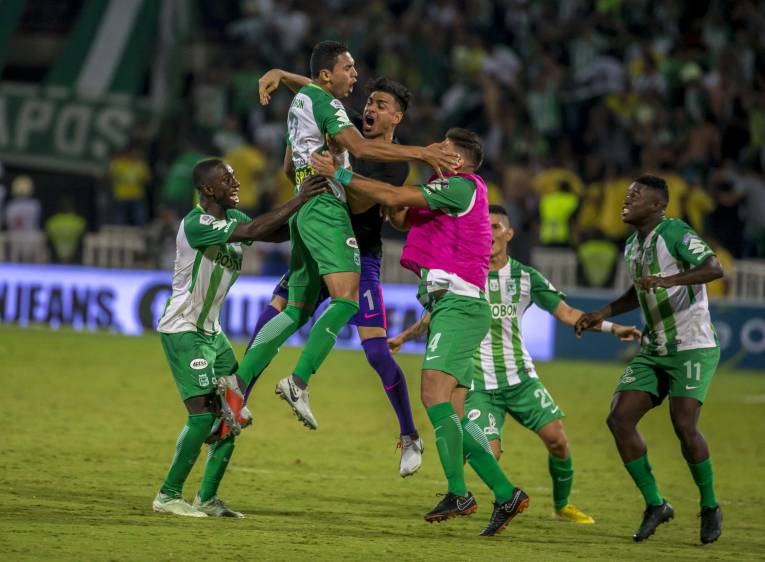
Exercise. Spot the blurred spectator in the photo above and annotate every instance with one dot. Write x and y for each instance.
(65, 230)
(3, 195)
(178, 189)
(724, 223)
(129, 175)
(249, 165)
(160, 236)
(720, 288)
(23, 210)
(751, 186)
(557, 212)
(597, 259)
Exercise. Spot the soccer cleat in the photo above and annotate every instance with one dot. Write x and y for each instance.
(220, 429)
(711, 524)
(298, 401)
(231, 404)
(570, 512)
(505, 512)
(653, 516)
(411, 455)
(452, 506)
(214, 507)
(177, 506)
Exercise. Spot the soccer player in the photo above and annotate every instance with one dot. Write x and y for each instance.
(324, 247)
(385, 108)
(669, 264)
(448, 247)
(208, 261)
(505, 380)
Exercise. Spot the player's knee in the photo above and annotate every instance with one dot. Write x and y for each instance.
(558, 446)
(685, 430)
(618, 423)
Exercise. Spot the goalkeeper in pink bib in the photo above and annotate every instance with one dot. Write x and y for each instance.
(448, 248)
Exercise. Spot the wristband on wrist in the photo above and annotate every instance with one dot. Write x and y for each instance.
(606, 326)
(343, 175)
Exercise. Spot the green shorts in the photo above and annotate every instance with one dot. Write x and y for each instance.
(197, 360)
(684, 373)
(457, 326)
(322, 242)
(529, 403)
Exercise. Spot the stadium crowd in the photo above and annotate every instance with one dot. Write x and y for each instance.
(572, 98)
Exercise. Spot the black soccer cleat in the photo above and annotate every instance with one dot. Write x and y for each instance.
(711, 524)
(504, 512)
(653, 516)
(452, 506)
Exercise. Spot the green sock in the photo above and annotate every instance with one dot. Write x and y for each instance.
(705, 480)
(562, 473)
(268, 341)
(477, 450)
(323, 335)
(640, 470)
(187, 448)
(448, 432)
(217, 460)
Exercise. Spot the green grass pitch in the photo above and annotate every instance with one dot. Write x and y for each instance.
(90, 422)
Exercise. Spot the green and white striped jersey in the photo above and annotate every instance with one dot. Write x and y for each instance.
(677, 318)
(206, 266)
(502, 359)
(314, 115)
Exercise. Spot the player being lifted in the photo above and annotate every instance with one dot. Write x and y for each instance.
(385, 108)
(208, 261)
(324, 247)
(448, 247)
(669, 264)
(505, 380)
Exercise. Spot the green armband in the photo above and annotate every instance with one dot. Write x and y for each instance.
(343, 175)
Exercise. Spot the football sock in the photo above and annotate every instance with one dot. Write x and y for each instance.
(218, 457)
(187, 448)
(704, 478)
(268, 341)
(268, 313)
(323, 335)
(478, 453)
(640, 470)
(448, 430)
(393, 380)
(562, 474)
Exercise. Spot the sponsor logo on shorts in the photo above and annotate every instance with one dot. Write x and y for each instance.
(204, 380)
(198, 364)
(491, 429)
(352, 242)
(474, 414)
(627, 376)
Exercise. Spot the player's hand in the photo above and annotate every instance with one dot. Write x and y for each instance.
(267, 84)
(586, 320)
(652, 282)
(394, 344)
(313, 185)
(440, 157)
(626, 333)
(324, 163)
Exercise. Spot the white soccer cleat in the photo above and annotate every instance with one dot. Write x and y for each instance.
(177, 506)
(298, 400)
(214, 507)
(411, 455)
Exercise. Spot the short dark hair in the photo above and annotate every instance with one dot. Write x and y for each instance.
(656, 183)
(200, 175)
(324, 56)
(396, 89)
(499, 210)
(468, 141)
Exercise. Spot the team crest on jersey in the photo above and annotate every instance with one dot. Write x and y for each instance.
(493, 285)
(474, 414)
(204, 380)
(511, 287)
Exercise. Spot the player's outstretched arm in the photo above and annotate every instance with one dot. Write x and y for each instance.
(412, 332)
(628, 301)
(707, 271)
(266, 225)
(377, 191)
(438, 155)
(269, 82)
(570, 315)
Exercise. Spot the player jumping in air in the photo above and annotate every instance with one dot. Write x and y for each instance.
(669, 264)
(448, 247)
(505, 380)
(208, 261)
(324, 248)
(385, 108)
